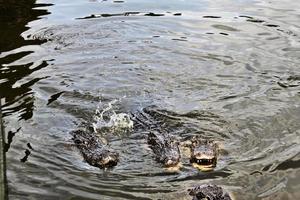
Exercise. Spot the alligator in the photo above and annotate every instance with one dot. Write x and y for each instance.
(209, 192)
(204, 153)
(95, 152)
(165, 148)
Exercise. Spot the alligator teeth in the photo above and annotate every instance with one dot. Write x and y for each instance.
(204, 161)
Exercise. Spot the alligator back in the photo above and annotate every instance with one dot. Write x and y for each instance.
(165, 148)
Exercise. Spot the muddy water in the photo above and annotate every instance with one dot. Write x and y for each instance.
(225, 70)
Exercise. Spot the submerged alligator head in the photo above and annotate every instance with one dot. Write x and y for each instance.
(204, 153)
(94, 151)
(209, 192)
(165, 148)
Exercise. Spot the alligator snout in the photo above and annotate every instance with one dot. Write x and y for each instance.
(171, 162)
(101, 157)
(93, 150)
(204, 153)
(172, 158)
(109, 159)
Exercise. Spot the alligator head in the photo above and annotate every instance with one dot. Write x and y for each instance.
(102, 157)
(209, 192)
(94, 151)
(165, 148)
(204, 153)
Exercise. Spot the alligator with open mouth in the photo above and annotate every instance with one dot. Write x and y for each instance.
(95, 152)
(203, 153)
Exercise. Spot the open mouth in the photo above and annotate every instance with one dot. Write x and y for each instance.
(204, 163)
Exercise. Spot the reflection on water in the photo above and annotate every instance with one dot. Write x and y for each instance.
(14, 17)
(227, 71)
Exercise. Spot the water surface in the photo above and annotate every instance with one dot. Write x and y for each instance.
(225, 70)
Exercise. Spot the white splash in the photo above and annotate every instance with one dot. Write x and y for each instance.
(108, 120)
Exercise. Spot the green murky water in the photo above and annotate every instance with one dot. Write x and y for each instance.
(226, 70)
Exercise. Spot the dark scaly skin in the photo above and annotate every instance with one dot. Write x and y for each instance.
(165, 148)
(209, 192)
(94, 151)
(204, 153)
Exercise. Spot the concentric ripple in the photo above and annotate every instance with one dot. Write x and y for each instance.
(227, 71)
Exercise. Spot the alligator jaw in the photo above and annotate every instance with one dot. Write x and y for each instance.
(204, 154)
(204, 163)
(173, 163)
(174, 168)
(204, 160)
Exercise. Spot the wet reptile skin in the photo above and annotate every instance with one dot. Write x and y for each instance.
(165, 148)
(209, 192)
(94, 151)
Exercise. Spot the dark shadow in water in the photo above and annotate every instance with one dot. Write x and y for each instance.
(151, 14)
(255, 20)
(271, 25)
(206, 175)
(246, 16)
(25, 158)
(110, 15)
(22, 95)
(288, 164)
(14, 16)
(19, 99)
(29, 146)
(256, 172)
(118, 1)
(148, 14)
(54, 97)
(224, 33)
(11, 74)
(211, 16)
(285, 165)
(10, 136)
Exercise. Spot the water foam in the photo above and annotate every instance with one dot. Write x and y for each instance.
(107, 120)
